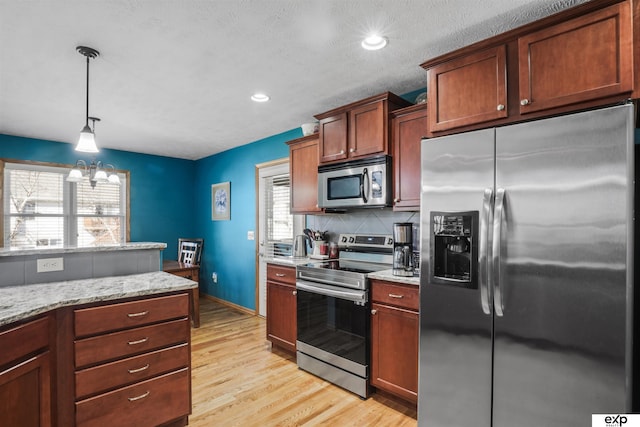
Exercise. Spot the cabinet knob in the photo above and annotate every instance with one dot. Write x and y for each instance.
(295, 292)
(341, 151)
(352, 150)
(374, 311)
(396, 200)
(525, 102)
(500, 107)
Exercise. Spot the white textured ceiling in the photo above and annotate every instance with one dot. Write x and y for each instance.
(174, 76)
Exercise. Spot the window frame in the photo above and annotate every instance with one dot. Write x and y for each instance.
(68, 199)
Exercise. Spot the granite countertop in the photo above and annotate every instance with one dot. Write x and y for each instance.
(49, 251)
(21, 302)
(388, 276)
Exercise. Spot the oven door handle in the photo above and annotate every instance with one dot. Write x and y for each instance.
(356, 296)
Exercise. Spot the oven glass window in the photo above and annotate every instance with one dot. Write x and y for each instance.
(344, 187)
(334, 325)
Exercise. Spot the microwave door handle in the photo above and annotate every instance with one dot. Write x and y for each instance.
(364, 189)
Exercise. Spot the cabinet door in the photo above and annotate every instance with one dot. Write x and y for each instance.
(394, 350)
(25, 393)
(407, 132)
(281, 315)
(368, 130)
(582, 59)
(333, 138)
(468, 90)
(303, 168)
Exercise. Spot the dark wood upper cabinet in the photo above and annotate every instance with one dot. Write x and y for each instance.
(359, 129)
(333, 134)
(468, 90)
(303, 172)
(584, 58)
(580, 58)
(367, 133)
(408, 127)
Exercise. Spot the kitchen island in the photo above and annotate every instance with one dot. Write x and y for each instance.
(96, 351)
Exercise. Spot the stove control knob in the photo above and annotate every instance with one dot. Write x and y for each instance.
(344, 239)
(352, 239)
(389, 241)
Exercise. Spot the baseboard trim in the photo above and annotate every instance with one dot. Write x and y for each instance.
(229, 304)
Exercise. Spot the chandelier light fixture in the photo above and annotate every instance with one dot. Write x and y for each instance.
(87, 142)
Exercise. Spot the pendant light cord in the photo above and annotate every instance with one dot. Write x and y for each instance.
(87, 110)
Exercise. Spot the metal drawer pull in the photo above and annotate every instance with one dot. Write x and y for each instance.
(280, 274)
(396, 296)
(142, 396)
(145, 339)
(142, 313)
(135, 371)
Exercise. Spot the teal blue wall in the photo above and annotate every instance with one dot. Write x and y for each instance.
(161, 196)
(226, 248)
(171, 198)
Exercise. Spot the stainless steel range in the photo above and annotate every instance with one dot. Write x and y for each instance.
(334, 312)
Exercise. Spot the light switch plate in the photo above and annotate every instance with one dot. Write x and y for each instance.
(45, 265)
(250, 235)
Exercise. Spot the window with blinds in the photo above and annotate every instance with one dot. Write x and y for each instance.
(279, 221)
(41, 209)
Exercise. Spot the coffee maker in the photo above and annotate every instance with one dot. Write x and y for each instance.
(403, 249)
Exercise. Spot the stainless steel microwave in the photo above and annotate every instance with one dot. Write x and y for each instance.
(355, 184)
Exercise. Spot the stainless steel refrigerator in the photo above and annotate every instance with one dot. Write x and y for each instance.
(526, 293)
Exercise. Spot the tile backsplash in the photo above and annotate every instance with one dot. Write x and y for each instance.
(363, 221)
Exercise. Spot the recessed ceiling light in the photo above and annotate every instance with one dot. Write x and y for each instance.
(374, 42)
(259, 97)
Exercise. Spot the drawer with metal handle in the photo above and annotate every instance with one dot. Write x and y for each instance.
(400, 295)
(113, 317)
(108, 376)
(148, 403)
(94, 350)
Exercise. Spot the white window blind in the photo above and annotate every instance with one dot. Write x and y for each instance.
(279, 221)
(41, 209)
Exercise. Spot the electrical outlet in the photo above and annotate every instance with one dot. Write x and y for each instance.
(49, 264)
(251, 235)
(214, 277)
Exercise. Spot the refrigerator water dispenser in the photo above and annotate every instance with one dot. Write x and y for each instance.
(454, 248)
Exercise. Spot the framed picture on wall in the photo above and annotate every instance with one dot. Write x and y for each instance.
(221, 201)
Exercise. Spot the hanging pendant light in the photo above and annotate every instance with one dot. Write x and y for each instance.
(95, 170)
(87, 141)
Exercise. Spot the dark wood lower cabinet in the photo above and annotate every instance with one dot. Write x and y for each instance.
(122, 363)
(25, 393)
(281, 307)
(394, 339)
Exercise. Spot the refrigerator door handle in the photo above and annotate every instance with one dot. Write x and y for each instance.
(484, 276)
(495, 253)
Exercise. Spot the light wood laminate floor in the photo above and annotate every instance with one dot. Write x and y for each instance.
(238, 381)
